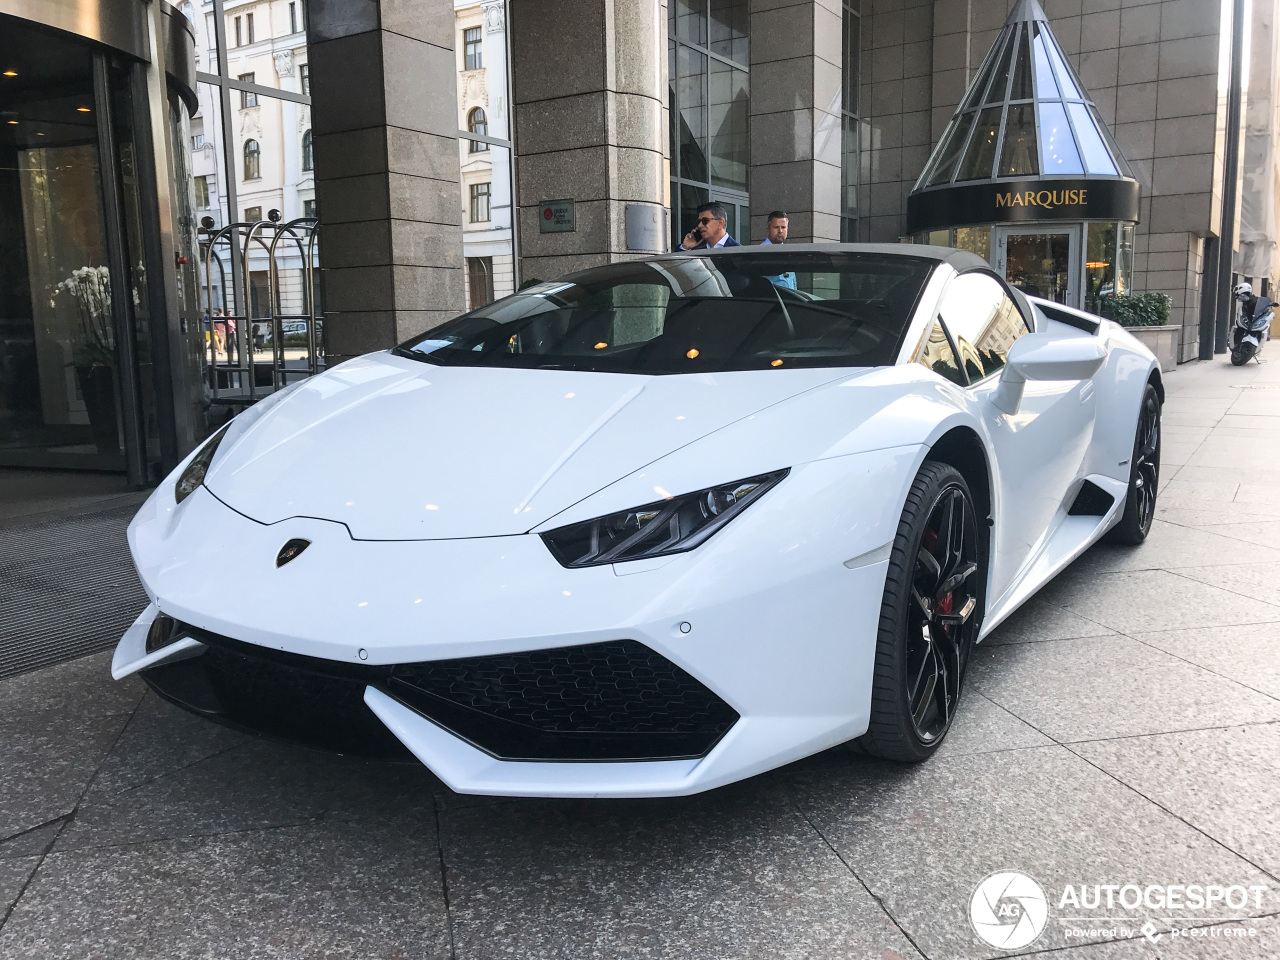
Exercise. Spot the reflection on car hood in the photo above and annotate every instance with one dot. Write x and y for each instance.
(401, 450)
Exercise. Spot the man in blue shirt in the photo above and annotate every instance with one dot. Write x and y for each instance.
(709, 232)
(775, 237)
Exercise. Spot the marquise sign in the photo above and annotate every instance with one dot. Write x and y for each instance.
(1016, 201)
(1048, 199)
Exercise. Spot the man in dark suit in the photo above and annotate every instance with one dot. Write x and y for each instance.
(709, 232)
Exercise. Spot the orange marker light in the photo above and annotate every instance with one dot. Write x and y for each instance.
(775, 363)
(82, 109)
(601, 345)
(692, 354)
(11, 73)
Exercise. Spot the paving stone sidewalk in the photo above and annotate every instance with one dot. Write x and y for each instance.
(1124, 727)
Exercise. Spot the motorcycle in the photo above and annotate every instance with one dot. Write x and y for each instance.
(1253, 325)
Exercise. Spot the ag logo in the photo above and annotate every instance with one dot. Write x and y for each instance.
(291, 550)
(1008, 910)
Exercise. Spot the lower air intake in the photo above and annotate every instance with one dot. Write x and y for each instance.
(314, 702)
(602, 701)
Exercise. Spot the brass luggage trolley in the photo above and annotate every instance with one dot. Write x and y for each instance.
(234, 256)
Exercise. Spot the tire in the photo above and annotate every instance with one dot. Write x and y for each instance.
(1144, 474)
(1241, 355)
(925, 634)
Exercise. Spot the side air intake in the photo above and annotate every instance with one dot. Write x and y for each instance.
(1091, 501)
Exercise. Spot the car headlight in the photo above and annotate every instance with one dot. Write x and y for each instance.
(673, 525)
(193, 476)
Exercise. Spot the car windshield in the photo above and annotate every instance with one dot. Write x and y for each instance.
(695, 314)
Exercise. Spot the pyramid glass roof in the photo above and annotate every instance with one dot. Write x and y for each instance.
(1026, 114)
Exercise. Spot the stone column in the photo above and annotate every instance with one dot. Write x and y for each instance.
(385, 135)
(796, 50)
(589, 84)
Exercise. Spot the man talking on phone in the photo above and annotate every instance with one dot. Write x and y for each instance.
(709, 232)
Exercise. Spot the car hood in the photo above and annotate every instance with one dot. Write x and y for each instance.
(397, 449)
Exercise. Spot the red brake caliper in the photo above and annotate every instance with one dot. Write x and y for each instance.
(943, 603)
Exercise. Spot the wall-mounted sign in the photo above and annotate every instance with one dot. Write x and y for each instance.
(1019, 201)
(646, 227)
(556, 216)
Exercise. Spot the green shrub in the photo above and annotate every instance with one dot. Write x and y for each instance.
(1142, 310)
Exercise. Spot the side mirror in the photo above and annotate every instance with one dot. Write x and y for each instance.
(1041, 356)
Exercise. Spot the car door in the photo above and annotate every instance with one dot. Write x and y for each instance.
(1040, 449)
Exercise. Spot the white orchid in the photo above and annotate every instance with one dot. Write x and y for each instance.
(91, 288)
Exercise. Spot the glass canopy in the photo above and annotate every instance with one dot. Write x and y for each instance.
(1025, 115)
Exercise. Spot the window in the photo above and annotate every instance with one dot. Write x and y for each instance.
(304, 77)
(851, 65)
(293, 18)
(847, 310)
(197, 141)
(471, 46)
(247, 97)
(239, 36)
(252, 214)
(252, 154)
(937, 355)
(248, 23)
(479, 282)
(479, 202)
(984, 321)
(308, 159)
(477, 122)
(708, 68)
(309, 208)
(202, 192)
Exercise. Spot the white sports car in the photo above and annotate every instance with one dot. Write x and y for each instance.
(652, 528)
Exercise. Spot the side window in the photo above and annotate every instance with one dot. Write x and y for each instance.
(938, 356)
(984, 321)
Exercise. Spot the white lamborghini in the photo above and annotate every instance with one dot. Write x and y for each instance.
(651, 528)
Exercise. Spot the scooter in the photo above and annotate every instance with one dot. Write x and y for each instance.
(1252, 327)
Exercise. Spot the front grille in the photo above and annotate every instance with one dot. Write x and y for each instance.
(318, 703)
(603, 701)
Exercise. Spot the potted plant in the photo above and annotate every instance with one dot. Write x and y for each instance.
(1146, 316)
(94, 355)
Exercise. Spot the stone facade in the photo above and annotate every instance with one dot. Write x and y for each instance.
(1152, 69)
(590, 94)
(795, 116)
(386, 170)
(589, 81)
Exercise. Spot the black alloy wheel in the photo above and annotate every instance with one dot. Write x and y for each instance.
(930, 617)
(1144, 475)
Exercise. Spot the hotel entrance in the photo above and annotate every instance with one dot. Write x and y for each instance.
(89, 343)
(1041, 261)
(1028, 176)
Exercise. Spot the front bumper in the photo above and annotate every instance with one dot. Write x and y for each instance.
(778, 627)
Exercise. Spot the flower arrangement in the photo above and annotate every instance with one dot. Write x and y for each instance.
(91, 289)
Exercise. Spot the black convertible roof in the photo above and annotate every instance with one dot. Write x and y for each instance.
(961, 260)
